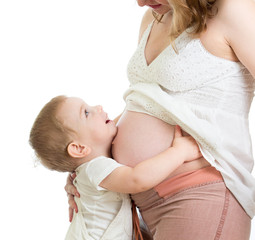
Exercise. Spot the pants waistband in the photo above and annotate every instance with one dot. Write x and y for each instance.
(188, 179)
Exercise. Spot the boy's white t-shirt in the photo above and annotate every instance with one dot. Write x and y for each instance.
(105, 214)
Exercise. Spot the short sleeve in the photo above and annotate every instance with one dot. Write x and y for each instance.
(99, 168)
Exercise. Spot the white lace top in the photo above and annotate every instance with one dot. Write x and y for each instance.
(209, 97)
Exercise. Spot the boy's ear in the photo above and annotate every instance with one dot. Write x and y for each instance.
(77, 150)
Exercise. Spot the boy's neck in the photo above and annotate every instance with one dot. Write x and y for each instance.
(96, 152)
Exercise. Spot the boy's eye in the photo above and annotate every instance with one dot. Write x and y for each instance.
(86, 113)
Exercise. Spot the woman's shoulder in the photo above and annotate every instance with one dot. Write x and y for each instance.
(235, 9)
(235, 17)
(146, 20)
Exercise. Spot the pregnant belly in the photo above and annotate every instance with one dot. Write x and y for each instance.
(141, 136)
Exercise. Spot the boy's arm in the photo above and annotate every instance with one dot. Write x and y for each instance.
(152, 171)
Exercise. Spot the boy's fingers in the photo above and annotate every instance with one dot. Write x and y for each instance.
(178, 131)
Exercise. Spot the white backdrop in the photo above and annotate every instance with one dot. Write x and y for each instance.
(51, 47)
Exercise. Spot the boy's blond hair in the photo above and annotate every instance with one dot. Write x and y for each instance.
(49, 138)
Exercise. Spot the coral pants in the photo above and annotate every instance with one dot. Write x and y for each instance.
(193, 206)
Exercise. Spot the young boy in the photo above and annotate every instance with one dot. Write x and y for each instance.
(69, 135)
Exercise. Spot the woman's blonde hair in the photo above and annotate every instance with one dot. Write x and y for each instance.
(189, 13)
(49, 138)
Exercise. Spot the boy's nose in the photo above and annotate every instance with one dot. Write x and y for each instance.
(99, 108)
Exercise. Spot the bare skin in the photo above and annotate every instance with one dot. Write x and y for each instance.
(141, 136)
(229, 35)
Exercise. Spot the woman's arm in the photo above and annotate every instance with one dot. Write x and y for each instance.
(151, 172)
(239, 17)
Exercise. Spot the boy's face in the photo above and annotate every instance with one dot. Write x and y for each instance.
(91, 123)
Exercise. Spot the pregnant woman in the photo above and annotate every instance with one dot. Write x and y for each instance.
(195, 67)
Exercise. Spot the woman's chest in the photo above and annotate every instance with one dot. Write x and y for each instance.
(190, 67)
(213, 39)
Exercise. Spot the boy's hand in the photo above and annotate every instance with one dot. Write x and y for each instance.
(186, 146)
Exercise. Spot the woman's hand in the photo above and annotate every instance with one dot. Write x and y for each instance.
(71, 192)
